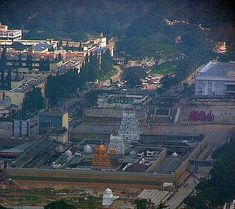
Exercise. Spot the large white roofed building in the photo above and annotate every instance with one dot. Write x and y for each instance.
(216, 79)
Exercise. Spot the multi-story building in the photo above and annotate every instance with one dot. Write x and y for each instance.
(216, 79)
(7, 34)
(123, 100)
(55, 120)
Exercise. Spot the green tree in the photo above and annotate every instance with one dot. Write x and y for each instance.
(33, 102)
(133, 76)
(20, 60)
(141, 204)
(106, 61)
(161, 206)
(3, 66)
(62, 86)
(92, 67)
(29, 62)
(61, 204)
(91, 97)
(44, 65)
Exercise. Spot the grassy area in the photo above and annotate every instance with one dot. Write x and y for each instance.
(35, 196)
(165, 68)
(107, 75)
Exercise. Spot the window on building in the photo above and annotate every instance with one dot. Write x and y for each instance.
(230, 87)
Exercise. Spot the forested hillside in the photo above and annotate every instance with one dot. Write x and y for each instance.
(115, 17)
(139, 24)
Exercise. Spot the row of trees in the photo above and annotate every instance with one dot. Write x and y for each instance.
(61, 86)
(32, 103)
(220, 187)
(96, 67)
(134, 75)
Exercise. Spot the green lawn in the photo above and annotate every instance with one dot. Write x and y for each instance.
(165, 68)
(107, 75)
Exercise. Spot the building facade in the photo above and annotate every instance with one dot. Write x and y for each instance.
(6, 34)
(129, 127)
(216, 79)
(55, 120)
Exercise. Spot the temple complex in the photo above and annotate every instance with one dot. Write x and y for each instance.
(101, 158)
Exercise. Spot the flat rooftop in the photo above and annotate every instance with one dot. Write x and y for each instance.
(54, 112)
(111, 113)
(217, 70)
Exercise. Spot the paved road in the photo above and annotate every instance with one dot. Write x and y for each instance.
(183, 192)
(188, 186)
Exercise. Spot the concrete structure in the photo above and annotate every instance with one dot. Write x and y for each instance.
(117, 143)
(21, 128)
(129, 129)
(108, 198)
(101, 158)
(155, 196)
(111, 115)
(102, 41)
(216, 79)
(229, 205)
(7, 34)
(53, 120)
(123, 100)
(16, 98)
(60, 136)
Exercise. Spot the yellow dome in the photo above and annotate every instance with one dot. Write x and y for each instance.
(101, 148)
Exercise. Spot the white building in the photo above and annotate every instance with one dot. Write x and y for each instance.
(102, 41)
(7, 34)
(117, 143)
(129, 128)
(216, 79)
(108, 198)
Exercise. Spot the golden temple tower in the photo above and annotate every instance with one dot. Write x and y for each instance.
(101, 158)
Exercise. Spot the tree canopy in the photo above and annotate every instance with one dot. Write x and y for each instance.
(220, 187)
(59, 205)
(33, 102)
(61, 86)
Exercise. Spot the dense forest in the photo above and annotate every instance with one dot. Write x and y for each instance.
(139, 23)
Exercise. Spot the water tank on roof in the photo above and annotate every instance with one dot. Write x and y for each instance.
(174, 154)
(68, 153)
(133, 153)
(87, 149)
(59, 149)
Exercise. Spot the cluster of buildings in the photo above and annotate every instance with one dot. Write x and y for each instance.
(32, 61)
